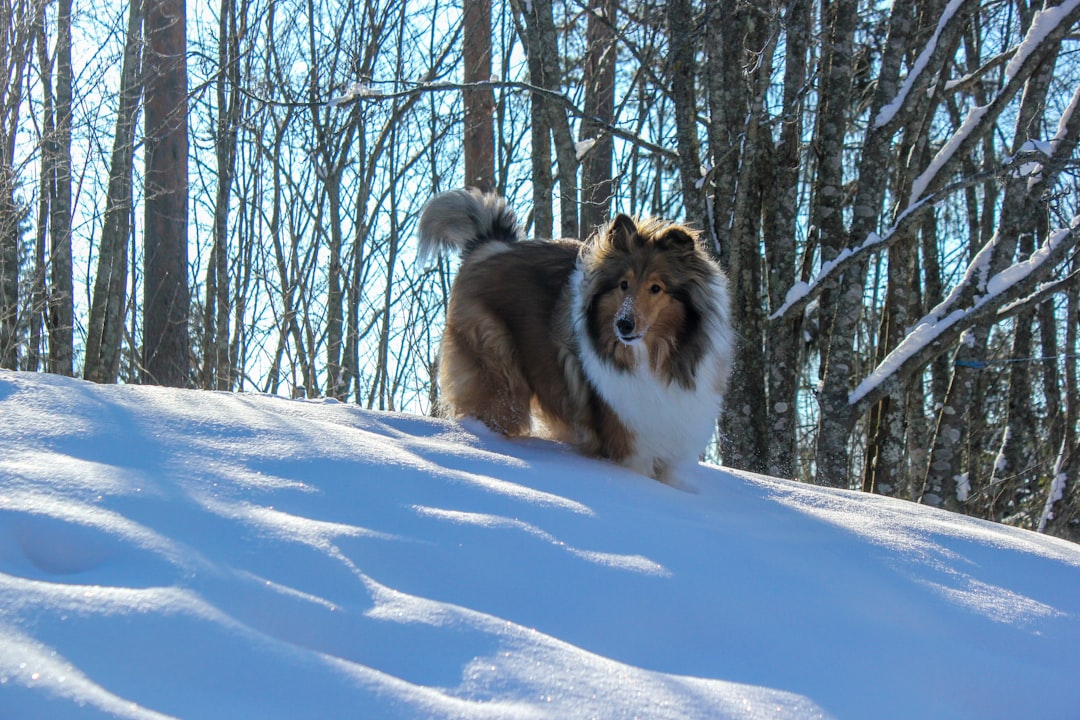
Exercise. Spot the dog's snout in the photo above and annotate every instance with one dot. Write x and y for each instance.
(625, 325)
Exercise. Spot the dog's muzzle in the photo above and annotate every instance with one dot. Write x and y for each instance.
(626, 329)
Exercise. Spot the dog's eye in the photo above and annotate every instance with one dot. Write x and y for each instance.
(655, 289)
(624, 285)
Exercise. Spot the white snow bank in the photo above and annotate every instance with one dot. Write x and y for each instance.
(168, 553)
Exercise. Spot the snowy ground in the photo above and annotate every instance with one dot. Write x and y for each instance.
(200, 555)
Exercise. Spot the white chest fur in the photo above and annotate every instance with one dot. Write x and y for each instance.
(670, 424)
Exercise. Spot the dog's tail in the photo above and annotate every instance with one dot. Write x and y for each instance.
(463, 220)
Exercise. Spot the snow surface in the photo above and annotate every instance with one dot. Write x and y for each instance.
(171, 553)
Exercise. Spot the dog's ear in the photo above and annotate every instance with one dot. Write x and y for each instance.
(678, 238)
(621, 231)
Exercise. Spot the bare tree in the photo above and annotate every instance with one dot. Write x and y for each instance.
(479, 138)
(783, 337)
(894, 184)
(681, 23)
(16, 44)
(599, 82)
(743, 426)
(166, 296)
(838, 314)
(543, 44)
(58, 149)
(217, 365)
(105, 328)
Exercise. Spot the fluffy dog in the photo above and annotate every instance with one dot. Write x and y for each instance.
(621, 344)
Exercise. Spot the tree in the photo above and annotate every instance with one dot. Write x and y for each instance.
(599, 82)
(16, 44)
(57, 150)
(541, 40)
(780, 221)
(105, 328)
(479, 138)
(166, 296)
(217, 365)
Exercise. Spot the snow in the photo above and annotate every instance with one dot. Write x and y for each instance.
(1043, 23)
(350, 93)
(187, 554)
(582, 148)
(963, 487)
(800, 290)
(945, 154)
(919, 337)
(936, 322)
(889, 110)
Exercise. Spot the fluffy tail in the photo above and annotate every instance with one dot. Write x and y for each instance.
(463, 220)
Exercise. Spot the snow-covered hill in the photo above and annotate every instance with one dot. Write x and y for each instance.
(199, 555)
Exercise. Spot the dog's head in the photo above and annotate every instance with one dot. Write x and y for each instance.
(639, 291)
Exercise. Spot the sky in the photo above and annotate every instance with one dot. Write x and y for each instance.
(190, 554)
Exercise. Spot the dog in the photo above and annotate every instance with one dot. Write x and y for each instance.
(620, 345)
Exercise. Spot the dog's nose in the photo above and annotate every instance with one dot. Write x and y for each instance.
(625, 326)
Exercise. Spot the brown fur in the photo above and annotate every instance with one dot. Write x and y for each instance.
(499, 350)
(511, 352)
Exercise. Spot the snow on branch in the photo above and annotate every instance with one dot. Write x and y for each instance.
(1057, 488)
(1047, 27)
(1034, 158)
(889, 111)
(352, 92)
(802, 294)
(941, 326)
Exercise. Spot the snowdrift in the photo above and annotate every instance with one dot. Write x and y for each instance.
(168, 553)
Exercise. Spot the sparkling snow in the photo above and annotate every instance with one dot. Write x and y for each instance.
(182, 554)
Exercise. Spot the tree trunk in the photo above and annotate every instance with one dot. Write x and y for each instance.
(16, 45)
(166, 295)
(729, 104)
(543, 183)
(545, 43)
(782, 337)
(354, 294)
(217, 367)
(61, 285)
(337, 382)
(596, 165)
(839, 313)
(1061, 513)
(105, 328)
(479, 138)
(945, 481)
(743, 426)
(682, 69)
(1011, 474)
(883, 463)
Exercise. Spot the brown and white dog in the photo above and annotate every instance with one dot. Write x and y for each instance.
(621, 344)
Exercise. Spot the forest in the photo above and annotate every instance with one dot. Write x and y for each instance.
(224, 196)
